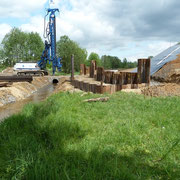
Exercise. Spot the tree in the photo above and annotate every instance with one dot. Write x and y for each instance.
(18, 45)
(94, 56)
(125, 63)
(106, 62)
(35, 46)
(13, 44)
(113, 62)
(65, 48)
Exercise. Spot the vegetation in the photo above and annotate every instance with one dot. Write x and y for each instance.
(128, 137)
(21, 46)
(65, 48)
(61, 73)
(2, 67)
(93, 56)
(112, 62)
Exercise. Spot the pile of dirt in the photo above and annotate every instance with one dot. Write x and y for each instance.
(169, 73)
(8, 70)
(66, 86)
(21, 90)
(165, 89)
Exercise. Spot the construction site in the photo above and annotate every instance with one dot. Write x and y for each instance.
(158, 76)
(66, 116)
(147, 79)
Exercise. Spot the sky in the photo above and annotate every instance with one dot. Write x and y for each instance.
(123, 28)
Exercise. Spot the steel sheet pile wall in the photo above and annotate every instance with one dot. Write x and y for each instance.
(93, 68)
(110, 82)
(100, 74)
(82, 69)
(144, 70)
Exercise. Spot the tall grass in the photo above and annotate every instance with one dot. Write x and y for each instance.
(128, 137)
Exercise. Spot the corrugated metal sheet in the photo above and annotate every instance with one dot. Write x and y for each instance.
(166, 56)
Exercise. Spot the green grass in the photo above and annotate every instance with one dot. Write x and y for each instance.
(128, 137)
(2, 68)
(65, 74)
(61, 73)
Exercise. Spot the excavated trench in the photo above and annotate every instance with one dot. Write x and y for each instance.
(38, 91)
(40, 95)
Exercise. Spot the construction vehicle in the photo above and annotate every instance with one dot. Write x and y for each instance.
(49, 53)
(28, 69)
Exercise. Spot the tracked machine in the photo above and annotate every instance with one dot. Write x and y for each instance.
(49, 52)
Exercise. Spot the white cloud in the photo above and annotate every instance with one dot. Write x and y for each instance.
(5, 28)
(132, 29)
(20, 8)
(36, 24)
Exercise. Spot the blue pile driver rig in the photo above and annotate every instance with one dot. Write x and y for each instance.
(49, 53)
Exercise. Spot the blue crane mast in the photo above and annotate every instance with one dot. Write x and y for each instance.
(49, 53)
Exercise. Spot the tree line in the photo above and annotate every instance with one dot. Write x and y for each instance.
(22, 46)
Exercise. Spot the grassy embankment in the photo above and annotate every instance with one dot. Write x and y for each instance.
(128, 137)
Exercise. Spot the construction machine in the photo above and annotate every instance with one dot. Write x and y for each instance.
(49, 53)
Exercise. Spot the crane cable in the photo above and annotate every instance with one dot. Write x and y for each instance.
(46, 29)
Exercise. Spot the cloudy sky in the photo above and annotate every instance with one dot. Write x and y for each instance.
(124, 28)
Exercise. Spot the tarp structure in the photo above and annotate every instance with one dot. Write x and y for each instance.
(166, 56)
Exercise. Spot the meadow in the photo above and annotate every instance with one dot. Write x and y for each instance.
(128, 137)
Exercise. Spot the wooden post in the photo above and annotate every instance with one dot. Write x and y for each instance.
(72, 67)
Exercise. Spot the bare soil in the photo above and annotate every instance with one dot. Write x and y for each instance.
(170, 72)
(165, 89)
(65, 85)
(21, 90)
(155, 88)
(8, 70)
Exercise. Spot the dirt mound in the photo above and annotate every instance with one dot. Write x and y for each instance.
(8, 70)
(170, 72)
(65, 85)
(165, 89)
(21, 90)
